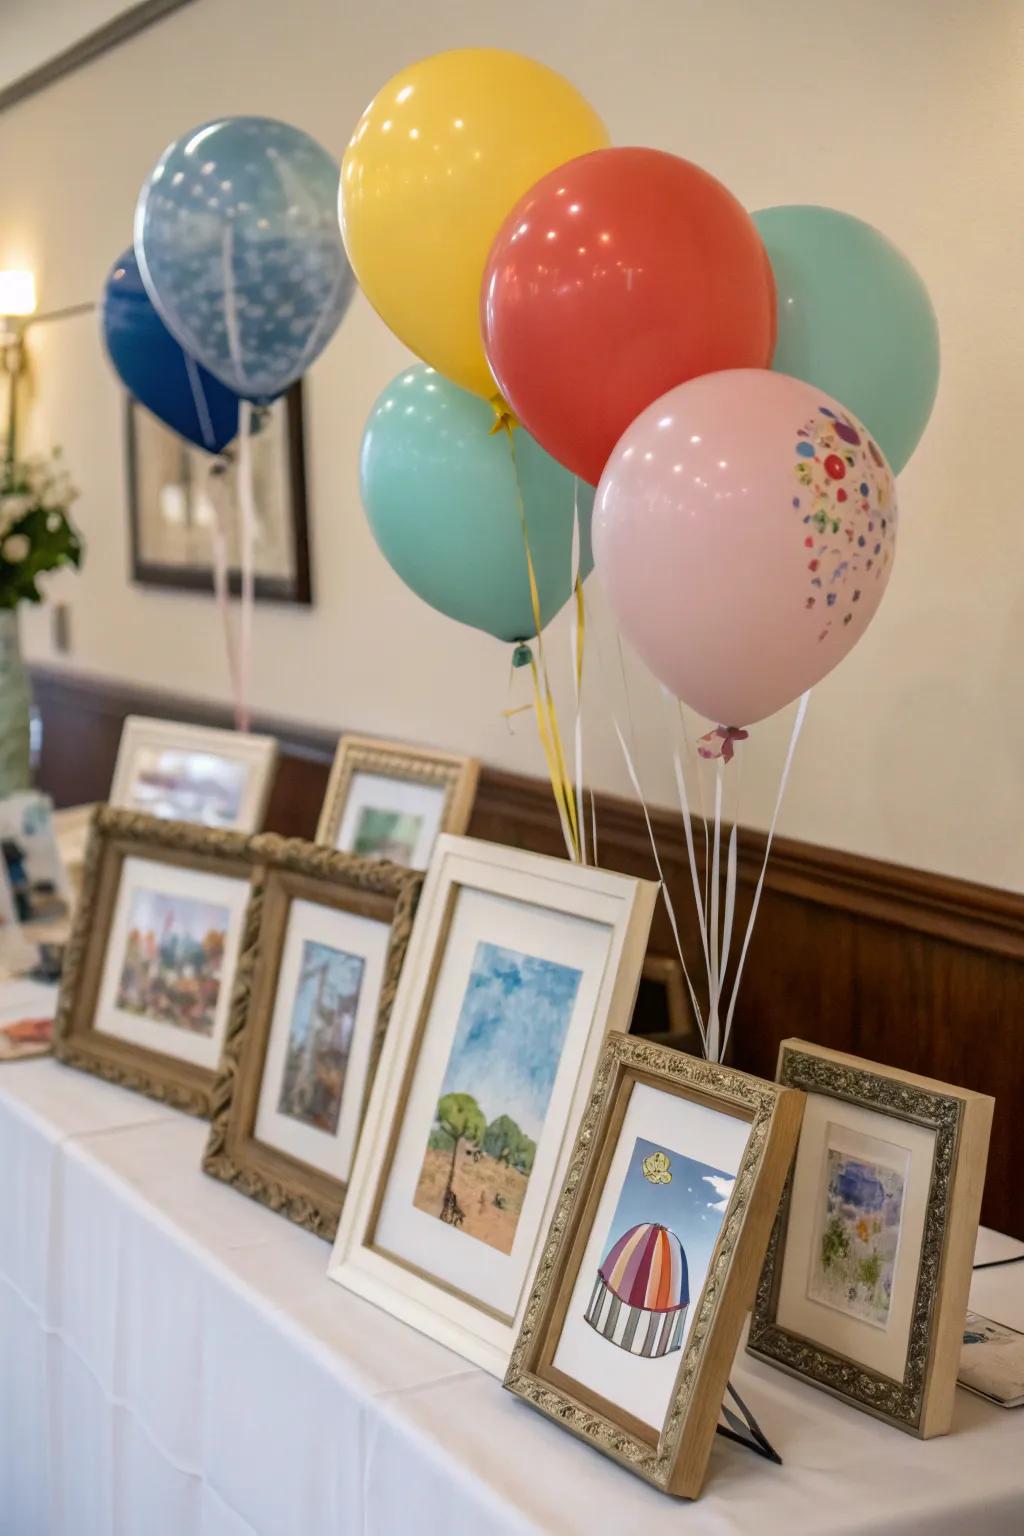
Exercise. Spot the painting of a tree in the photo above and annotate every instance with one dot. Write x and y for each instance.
(461, 1119)
(494, 1093)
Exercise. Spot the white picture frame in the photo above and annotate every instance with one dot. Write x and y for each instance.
(239, 771)
(489, 917)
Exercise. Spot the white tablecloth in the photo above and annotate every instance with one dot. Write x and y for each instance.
(173, 1362)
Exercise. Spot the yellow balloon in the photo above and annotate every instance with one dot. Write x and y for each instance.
(436, 162)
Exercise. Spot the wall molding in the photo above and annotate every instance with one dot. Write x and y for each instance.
(919, 970)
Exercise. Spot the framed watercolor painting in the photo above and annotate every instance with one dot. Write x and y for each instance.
(517, 967)
(389, 801)
(865, 1284)
(322, 950)
(636, 1309)
(172, 513)
(193, 773)
(148, 970)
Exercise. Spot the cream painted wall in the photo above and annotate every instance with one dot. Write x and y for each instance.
(905, 112)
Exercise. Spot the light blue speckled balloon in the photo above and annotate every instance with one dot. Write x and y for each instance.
(237, 239)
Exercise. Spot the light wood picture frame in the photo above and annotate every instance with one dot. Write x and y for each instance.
(915, 1151)
(194, 773)
(294, 875)
(636, 1309)
(156, 936)
(394, 799)
(519, 964)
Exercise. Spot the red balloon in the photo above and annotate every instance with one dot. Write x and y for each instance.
(617, 277)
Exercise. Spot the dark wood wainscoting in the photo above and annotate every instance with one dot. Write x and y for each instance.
(896, 965)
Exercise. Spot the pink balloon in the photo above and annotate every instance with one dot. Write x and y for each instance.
(744, 531)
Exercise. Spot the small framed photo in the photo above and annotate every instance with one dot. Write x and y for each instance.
(650, 1264)
(865, 1284)
(517, 967)
(322, 951)
(193, 773)
(992, 1361)
(172, 514)
(390, 801)
(148, 970)
(33, 866)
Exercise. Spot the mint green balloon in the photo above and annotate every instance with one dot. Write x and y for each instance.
(439, 488)
(855, 320)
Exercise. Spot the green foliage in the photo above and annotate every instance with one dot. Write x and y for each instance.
(505, 1141)
(460, 1117)
(36, 533)
(834, 1242)
(870, 1269)
(502, 1137)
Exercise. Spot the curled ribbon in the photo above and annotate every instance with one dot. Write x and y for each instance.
(719, 743)
(504, 420)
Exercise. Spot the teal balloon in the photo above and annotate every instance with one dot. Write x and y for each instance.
(440, 492)
(855, 320)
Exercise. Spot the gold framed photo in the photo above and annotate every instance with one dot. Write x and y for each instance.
(865, 1284)
(637, 1306)
(517, 967)
(196, 773)
(325, 937)
(148, 970)
(386, 800)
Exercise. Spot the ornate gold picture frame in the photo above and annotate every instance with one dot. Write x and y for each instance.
(329, 1102)
(390, 800)
(885, 1192)
(148, 969)
(633, 1320)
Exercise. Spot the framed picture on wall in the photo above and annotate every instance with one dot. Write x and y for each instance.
(865, 1285)
(324, 942)
(390, 801)
(148, 970)
(653, 1253)
(172, 488)
(194, 773)
(517, 966)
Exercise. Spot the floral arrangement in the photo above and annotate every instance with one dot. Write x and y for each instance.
(36, 533)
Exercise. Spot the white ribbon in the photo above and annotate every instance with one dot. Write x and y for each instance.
(661, 876)
(798, 724)
(247, 530)
(577, 681)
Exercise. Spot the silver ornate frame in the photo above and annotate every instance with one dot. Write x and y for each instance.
(900, 1403)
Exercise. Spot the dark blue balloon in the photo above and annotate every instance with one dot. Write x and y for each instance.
(156, 370)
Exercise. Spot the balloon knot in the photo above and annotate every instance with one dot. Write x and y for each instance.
(522, 655)
(504, 421)
(720, 743)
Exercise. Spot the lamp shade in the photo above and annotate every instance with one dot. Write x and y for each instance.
(17, 293)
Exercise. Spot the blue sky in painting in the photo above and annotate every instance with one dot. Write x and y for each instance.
(509, 1038)
(343, 980)
(691, 1205)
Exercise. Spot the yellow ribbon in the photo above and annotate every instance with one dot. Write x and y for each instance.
(543, 695)
(504, 420)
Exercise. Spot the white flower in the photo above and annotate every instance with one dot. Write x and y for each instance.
(16, 548)
(15, 505)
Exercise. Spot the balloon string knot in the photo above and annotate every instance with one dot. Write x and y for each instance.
(720, 743)
(522, 656)
(504, 420)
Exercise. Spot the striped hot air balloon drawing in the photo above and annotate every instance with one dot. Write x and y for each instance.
(642, 1292)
